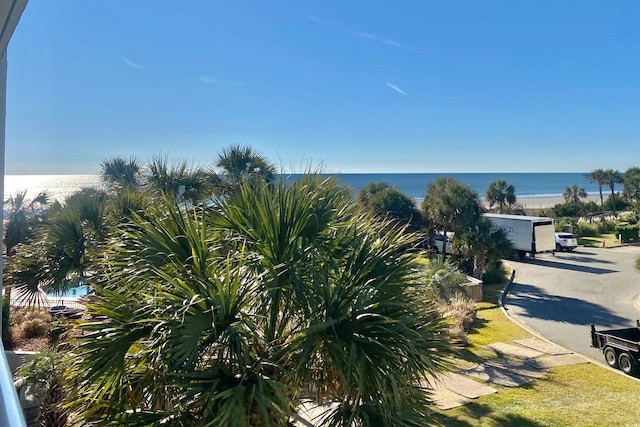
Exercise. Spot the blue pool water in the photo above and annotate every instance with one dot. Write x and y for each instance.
(78, 291)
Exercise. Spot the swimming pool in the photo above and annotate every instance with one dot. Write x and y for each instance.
(75, 292)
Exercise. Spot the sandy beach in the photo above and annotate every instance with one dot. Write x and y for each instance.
(543, 202)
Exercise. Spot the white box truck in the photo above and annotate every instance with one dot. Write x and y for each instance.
(528, 234)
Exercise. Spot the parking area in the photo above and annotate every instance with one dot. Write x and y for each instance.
(561, 296)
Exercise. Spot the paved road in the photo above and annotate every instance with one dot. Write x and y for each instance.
(560, 296)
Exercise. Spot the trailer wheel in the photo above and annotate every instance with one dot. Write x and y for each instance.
(610, 356)
(626, 363)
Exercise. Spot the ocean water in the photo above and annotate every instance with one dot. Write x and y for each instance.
(59, 187)
(526, 184)
(412, 184)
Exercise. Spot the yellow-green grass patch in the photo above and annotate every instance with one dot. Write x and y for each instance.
(610, 240)
(578, 395)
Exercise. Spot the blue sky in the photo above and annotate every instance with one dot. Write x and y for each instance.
(354, 86)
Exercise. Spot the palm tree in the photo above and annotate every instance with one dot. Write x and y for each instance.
(127, 202)
(598, 175)
(485, 245)
(232, 314)
(611, 178)
(388, 201)
(500, 192)
(121, 173)
(239, 163)
(451, 205)
(573, 195)
(67, 250)
(22, 217)
(180, 181)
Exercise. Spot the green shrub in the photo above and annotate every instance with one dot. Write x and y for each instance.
(620, 204)
(638, 264)
(586, 230)
(565, 210)
(591, 207)
(606, 227)
(629, 217)
(495, 275)
(567, 222)
(444, 278)
(628, 231)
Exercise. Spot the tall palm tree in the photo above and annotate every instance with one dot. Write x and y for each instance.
(611, 178)
(500, 192)
(573, 195)
(451, 205)
(231, 315)
(239, 163)
(598, 175)
(120, 173)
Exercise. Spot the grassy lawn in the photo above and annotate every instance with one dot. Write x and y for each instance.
(578, 395)
(610, 240)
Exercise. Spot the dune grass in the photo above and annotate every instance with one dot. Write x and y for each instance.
(578, 395)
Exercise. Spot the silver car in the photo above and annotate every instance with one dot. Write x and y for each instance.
(566, 241)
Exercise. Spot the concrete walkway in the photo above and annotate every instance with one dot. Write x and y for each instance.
(516, 364)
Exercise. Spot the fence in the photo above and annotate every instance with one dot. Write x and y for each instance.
(48, 302)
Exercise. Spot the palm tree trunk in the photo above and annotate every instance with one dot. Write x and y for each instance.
(613, 199)
(479, 262)
(601, 201)
(444, 244)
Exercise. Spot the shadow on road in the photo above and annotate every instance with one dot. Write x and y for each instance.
(567, 266)
(535, 303)
(587, 259)
(583, 252)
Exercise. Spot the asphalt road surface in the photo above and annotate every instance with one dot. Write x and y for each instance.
(561, 296)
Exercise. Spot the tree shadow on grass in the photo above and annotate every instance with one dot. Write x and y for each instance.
(477, 411)
(535, 303)
(467, 355)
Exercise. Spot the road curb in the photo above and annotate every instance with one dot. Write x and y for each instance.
(505, 292)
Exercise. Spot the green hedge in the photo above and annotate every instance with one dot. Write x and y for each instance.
(587, 230)
(628, 231)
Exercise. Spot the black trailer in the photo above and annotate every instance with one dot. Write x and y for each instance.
(621, 347)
